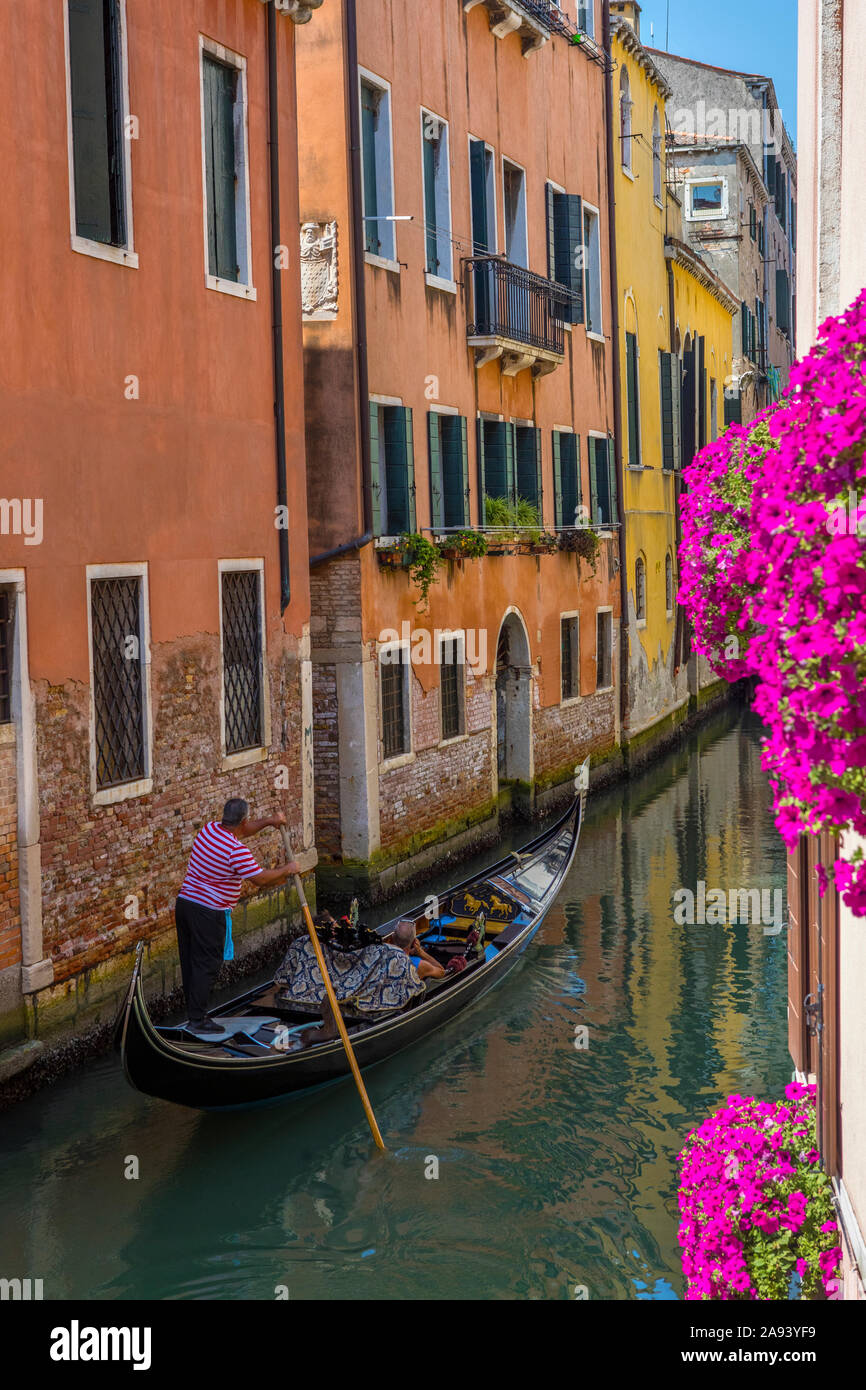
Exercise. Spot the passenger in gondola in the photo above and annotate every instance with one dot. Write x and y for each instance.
(405, 936)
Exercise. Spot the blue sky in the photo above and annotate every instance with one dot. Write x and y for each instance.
(749, 35)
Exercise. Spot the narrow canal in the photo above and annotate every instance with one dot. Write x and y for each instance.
(556, 1165)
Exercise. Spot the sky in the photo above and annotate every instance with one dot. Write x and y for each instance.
(748, 35)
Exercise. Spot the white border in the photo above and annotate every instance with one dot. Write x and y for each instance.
(602, 689)
(491, 149)
(240, 290)
(228, 761)
(384, 262)
(107, 796)
(439, 282)
(597, 335)
(572, 616)
(706, 216)
(505, 159)
(399, 759)
(100, 251)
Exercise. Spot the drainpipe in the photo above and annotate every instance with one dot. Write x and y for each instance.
(277, 306)
(617, 374)
(359, 301)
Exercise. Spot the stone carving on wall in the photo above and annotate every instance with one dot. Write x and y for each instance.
(299, 11)
(319, 269)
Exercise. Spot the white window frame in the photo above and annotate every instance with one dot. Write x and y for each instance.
(108, 796)
(590, 13)
(658, 158)
(242, 289)
(399, 759)
(492, 192)
(573, 617)
(438, 282)
(512, 163)
(228, 761)
(691, 215)
(460, 639)
(602, 689)
(596, 334)
(391, 263)
(118, 255)
(640, 622)
(626, 140)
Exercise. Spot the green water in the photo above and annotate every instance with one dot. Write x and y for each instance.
(556, 1166)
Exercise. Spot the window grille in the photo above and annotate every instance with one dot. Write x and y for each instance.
(242, 660)
(393, 674)
(569, 658)
(640, 588)
(604, 651)
(6, 610)
(451, 672)
(118, 681)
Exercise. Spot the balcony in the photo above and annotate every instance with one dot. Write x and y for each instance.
(514, 315)
(531, 19)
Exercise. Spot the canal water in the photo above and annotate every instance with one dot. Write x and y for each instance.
(557, 1163)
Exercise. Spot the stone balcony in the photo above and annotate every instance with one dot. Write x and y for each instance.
(528, 18)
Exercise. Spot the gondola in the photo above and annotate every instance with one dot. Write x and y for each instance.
(249, 1064)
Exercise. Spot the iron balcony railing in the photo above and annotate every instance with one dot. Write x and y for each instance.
(507, 301)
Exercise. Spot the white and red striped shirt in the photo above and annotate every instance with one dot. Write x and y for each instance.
(218, 864)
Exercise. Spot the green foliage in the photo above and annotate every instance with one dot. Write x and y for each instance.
(425, 561)
(471, 545)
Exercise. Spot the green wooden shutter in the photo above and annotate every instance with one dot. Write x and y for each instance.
(593, 479)
(771, 176)
(568, 270)
(611, 473)
(632, 399)
(369, 108)
(702, 391)
(549, 195)
(482, 479)
(430, 198)
(733, 410)
(670, 403)
(478, 189)
(528, 450)
(220, 87)
(557, 480)
(399, 470)
(783, 317)
(578, 481)
(97, 134)
(510, 468)
(375, 476)
(408, 434)
(744, 323)
(464, 457)
(452, 435)
(434, 441)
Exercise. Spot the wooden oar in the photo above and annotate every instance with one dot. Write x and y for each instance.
(332, 998)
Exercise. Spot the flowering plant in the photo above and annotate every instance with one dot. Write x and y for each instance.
(773, 566)
(755, 1204)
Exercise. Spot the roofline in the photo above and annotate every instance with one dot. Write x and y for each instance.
(737, 146)
(696, 63)
(676, 250)
(622, 30)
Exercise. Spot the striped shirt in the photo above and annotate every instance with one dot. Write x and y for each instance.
(218, 864)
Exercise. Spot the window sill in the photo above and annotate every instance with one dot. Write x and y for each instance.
(640, 624)
(670, 615)
(628, 173)
(658, 203)
(604, 690)
(245, 758)
(214, 282)
(449, 742)
(392, 764)
(572, 700)
(436, 282)
(382, 262)
(7, 733)
(595, 337)
(117, 255)
(110, 795)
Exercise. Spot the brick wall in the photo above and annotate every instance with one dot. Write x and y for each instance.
(95, 857)
(10, 919)
(568, 733)
(326, 761)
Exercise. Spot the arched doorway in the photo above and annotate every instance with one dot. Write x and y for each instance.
(514, 710)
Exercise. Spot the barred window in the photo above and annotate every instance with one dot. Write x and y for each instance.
(604, 651)
(640, 588)
(394, 688)
(669, 584)
(118, 680)
(6, 611)
(451, 689)
(243, 675)
(570, 657)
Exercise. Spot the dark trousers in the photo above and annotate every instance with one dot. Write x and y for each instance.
(201, 939)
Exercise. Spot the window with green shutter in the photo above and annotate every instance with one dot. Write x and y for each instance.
(379, 237)
(633, 398)
(496, 459)
(221, 96)
(449, 470)
(602, 482)
(437, 195)
(528, 464)
(392, 467)
(671, 406)
(98, 150)
(783, 312)
(565, 248)
(566, 478)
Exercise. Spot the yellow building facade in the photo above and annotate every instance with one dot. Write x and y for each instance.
(675, 346)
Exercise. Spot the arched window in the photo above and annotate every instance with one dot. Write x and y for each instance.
(640, 588)
(625, 105)
(669, 584)
(657, 157)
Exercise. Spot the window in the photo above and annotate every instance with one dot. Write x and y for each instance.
(392, 465)
(225, 170)
(449, 470)
(714, 409)
(633, 399)
(243, 659)
(657, 157)
(753, 222)
(569, 647)
(640, 589)
(586, 17)
(707, 200)
(509, 462)
(566, 478)
(783, 304)
(669, 585)
(604, 650)
(592, 258)
(565, 248)
(602, 482)
(482, 178)
(451, 688)
(671, 410)
(761, 239)
(514, 203)
(99, 152)
(118, 651)
(528, 465)
(437, 195)
(393, 672)
(625, 106)
(6, 611)
(378, 180)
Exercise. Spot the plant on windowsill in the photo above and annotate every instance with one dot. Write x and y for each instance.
(463, 545)
(424, 560)
(582, 542)
(517, 524)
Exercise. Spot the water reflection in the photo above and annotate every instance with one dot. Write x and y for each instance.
(556, 1165)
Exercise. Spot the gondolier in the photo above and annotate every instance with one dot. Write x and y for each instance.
(219, 864)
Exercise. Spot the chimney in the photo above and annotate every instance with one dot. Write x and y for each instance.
(629, 10)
